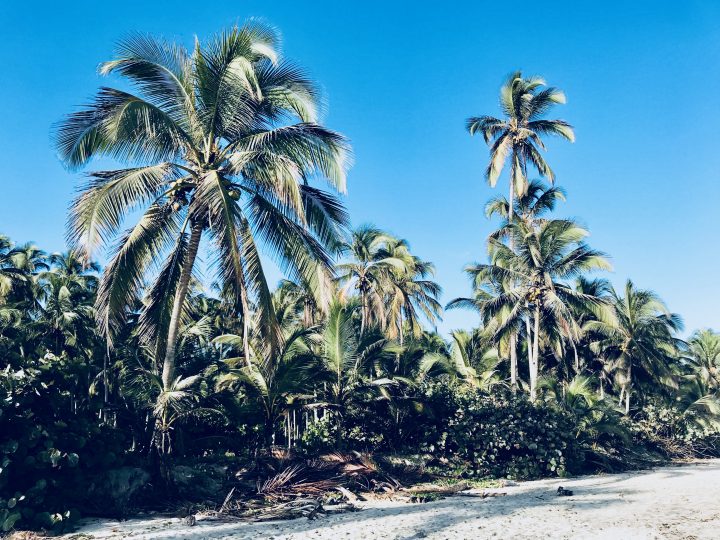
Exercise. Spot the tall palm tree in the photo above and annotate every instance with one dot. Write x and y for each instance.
(545, 256)
(639, 339)
(519, 136)
(529, 210)
(524, 103)
(222, 141)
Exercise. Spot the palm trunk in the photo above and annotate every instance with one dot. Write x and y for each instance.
(536, 356)
(513, 364)
(364, 314)
(246, 325)
(627, 390)
(106, 362)
(513, 337)
(168, 372)
(400, 329)
(577, 358)
(528, 339)
(627, 402)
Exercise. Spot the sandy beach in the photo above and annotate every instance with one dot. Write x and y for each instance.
(679, 501)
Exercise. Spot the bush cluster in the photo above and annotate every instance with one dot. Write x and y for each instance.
(51, 447)
(507, 437)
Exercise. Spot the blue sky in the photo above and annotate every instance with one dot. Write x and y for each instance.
(400, 79)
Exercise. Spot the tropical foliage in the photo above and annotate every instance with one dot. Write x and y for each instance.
(120, 374)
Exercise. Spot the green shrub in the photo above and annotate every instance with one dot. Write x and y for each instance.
(50, 449)
(511, 438)
(675, 434)
(319, 437)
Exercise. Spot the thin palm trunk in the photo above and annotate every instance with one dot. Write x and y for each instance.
(627, 402)
(246, 326)
(513, 337)
(365, 313)
(627, 390)
(528, 330)
(168, 372)
(536, 356)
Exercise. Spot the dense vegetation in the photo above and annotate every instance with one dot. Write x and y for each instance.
(120, 384)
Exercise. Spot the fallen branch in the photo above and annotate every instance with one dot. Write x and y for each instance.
(482, 495)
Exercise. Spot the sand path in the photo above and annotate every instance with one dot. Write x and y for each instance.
(670, 502)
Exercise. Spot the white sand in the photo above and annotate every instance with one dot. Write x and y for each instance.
(671, 502)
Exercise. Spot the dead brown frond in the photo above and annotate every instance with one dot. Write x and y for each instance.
(297, 481)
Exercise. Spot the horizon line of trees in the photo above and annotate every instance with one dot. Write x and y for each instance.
(221, 146)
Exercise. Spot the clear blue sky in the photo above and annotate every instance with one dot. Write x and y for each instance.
(641, 78)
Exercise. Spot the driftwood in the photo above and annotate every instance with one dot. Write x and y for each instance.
(441, 490)
(349, 495)
(482, 495)
(254, 511)
(427, 493)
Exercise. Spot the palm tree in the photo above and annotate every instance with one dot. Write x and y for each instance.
(66, 314)
(473, 360)
(535, 273)
(11, 270)
(275, 377)
(350, 358)
(524, 102)
(224, 141)
(297, 303)
(529, 207)
(704, 357)
(410, 294)
(368, 270)
(502, 325)
(74, 271)
(639, 339)
(585, 354)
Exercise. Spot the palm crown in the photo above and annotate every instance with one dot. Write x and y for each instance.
(524, 102)
(223, 140)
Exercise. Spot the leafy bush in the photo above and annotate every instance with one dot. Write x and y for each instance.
(319, 437)
(360, 430)
(51, 447)
(676, 434)
(501, 436)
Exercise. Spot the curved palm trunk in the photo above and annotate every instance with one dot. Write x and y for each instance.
(168, 372)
